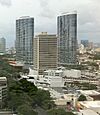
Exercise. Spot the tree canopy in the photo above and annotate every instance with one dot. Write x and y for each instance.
(82, 98)
(23, 93)
(59, 112)
(23, 96)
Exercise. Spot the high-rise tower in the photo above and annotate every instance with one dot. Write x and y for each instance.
(67, 38)
(24, 39)
(2, 45)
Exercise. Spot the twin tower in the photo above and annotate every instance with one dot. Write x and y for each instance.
(47, 51)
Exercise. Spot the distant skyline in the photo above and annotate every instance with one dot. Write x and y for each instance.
(45, 13)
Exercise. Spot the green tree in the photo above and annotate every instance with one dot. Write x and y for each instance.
(47, 104)
(24, 92)
(92, 87)
(42, 99)
(82, 98)
(96, 57)
(59, 112)
(23, 95)
(16, 75)
(26, 110)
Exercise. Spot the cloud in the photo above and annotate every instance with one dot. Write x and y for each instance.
(44, 3)
(46, 11)
(5, 2)
(95, 1)
(85, 15)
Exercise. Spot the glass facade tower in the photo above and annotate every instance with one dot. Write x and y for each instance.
(24, 39)
(2, 45)
(67, 39)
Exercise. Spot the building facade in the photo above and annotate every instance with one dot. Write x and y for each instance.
(67, 38)
(2, 45)
(24, 39)
(3, 90)
(45, 52)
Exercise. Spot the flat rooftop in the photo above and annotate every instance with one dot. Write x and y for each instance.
(87, 112)
(3, 79)
(6, 113)
(90, 104)
(89, 92)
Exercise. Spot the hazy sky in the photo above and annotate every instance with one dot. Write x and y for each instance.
(45, 13)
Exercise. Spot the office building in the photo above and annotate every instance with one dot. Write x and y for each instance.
(2, 45)
(3, 89)
(45, 52)
(24, 39)
(67, 38)
(85, 43)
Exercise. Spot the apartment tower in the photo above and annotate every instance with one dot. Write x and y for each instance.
(24, 39)
(2, 45)
(67, 38)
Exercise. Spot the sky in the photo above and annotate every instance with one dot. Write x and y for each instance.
(45, 13)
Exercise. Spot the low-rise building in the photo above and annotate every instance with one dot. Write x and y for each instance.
(80, 80)
(87, 112)
(91, 94)
(2, 112)
(93, 105)
(66, 99)
(72, 73)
